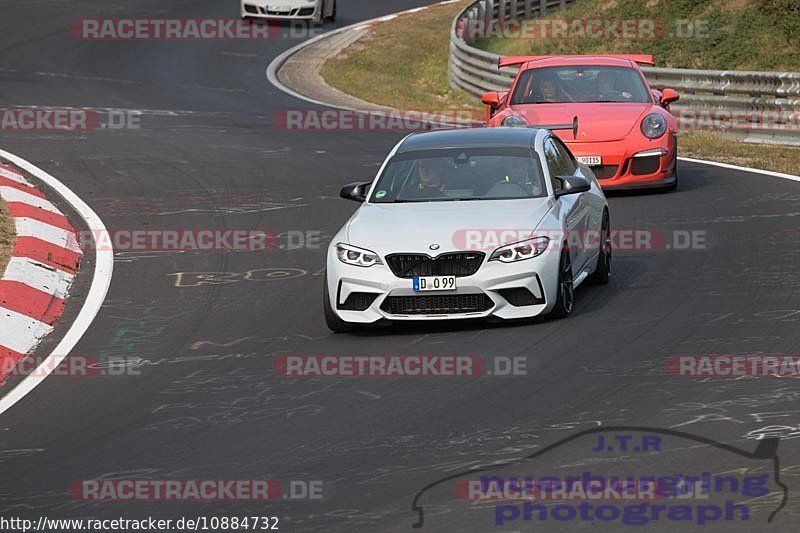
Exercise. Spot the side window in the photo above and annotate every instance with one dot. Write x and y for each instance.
(567, 162)
(555, 162)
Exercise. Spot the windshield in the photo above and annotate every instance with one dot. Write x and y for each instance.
(580, 85)
(460, 174)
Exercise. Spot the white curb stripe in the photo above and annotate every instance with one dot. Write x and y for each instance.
(746, 169)
(21, 333)
(19, 178)
(101, 281)
(28, 227)
(38, 276)
(10, 194)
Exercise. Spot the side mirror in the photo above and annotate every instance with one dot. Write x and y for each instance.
(668, 96)
(572, 185)
(355, 191)
(492, 99)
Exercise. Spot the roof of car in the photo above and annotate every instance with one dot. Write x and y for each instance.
(567, 61)
(469, 138)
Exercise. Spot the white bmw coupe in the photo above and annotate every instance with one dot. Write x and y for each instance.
(311, 10)
(469, 223)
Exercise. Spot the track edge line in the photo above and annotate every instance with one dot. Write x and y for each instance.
(791, 177)
(100, 284)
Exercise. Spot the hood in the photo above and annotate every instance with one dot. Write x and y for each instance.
(413, 227)
(597, 122)
(290, 3)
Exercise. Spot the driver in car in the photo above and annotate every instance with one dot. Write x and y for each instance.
(607, 89)
(520, 173)
(548, 90)
(431, 184)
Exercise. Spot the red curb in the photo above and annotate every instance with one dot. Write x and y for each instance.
(20, 210)
(6, 182)
(35, 300)
(30, 302)
(8, 360)
(47, 253)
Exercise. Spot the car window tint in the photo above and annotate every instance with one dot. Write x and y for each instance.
(555, 162)
(572, 84)
(479, 173)
(565, 159)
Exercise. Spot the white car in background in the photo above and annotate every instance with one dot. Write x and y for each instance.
(312, 10)
(469, 223)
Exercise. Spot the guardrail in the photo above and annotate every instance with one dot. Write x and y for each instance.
(717, 96)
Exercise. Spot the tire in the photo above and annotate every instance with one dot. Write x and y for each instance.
(565, 299)
(602, 272)
(332, 320)
(332, 18)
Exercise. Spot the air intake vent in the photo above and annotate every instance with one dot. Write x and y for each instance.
(437, 305)
(459, 264)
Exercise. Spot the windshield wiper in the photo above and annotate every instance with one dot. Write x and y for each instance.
(457, 199)
(436, 200)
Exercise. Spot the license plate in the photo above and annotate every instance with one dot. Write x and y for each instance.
(279, 9)
(590, 160)
(434, 283)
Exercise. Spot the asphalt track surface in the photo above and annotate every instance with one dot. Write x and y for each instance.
(202, 409)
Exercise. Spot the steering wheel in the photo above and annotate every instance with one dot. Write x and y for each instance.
(501, 188)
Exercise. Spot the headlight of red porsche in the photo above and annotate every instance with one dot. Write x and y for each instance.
(654, 126)
(514, 121)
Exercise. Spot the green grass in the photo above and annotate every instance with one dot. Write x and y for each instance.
(737, 34)
(764, 156)
(7, 236)
(402, 63)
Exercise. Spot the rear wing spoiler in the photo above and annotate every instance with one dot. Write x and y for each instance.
(510, 61)
(553, 127)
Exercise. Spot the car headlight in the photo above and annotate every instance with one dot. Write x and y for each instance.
(654, 126)
(356, 256)
(513, 121)
(519, 251)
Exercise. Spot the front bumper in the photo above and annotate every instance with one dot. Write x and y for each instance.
(260, 10)
(621, 169)
(491, 285)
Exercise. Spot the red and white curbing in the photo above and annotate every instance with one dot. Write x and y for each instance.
(44, 262)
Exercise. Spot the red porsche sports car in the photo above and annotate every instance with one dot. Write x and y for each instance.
(603, 108)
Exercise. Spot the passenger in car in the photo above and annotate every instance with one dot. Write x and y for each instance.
(521, 172)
